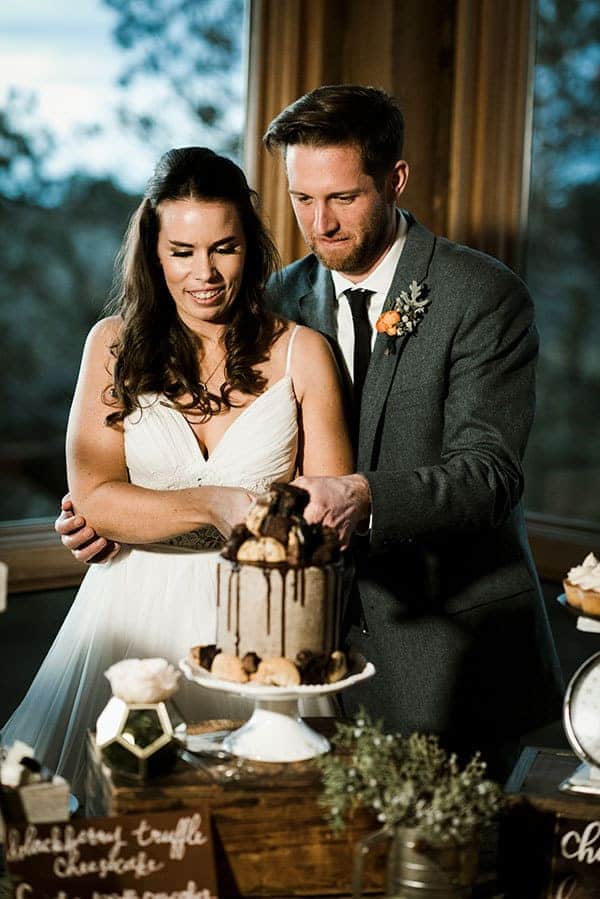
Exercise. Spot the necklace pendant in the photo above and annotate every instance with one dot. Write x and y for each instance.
(202, 387)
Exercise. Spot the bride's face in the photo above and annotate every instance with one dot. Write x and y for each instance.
(202, 250)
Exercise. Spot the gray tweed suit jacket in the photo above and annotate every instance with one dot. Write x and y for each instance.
(447, 601)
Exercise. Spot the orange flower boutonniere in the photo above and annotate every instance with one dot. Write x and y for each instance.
(403, 318)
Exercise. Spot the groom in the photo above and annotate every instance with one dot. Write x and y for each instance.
(447, 603)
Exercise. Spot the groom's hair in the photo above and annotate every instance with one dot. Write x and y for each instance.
(343, 115)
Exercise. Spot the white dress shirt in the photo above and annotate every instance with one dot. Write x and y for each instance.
(379, 281)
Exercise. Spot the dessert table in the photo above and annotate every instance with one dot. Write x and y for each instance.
(269, 833)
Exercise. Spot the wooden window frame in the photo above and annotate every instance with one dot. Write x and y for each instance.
(36, 558)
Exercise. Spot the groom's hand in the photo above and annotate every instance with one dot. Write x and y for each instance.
(83, 541)
(343, 503)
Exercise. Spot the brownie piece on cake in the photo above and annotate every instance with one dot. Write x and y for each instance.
(279, 590)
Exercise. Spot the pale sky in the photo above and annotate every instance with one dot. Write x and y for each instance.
(63, 51)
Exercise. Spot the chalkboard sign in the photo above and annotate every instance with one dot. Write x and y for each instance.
(575, 859)
(145, 856)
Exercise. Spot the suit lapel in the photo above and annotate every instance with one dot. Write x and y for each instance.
(318, 311)
(413, 265)
(317, 305)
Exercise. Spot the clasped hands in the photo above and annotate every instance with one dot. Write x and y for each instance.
(80, 538)
(343, 503)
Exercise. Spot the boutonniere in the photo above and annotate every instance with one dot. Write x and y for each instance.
(403, 318)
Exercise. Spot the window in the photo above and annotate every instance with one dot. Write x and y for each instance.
(563, 262)
(91, 93)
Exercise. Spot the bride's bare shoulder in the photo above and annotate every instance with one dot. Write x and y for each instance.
(105, 333)
(308, 342)
(312, 363)
(99, 344)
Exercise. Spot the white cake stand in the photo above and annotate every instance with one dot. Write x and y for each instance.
(275, 732)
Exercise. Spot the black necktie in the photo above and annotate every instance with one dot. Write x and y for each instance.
(358, 300)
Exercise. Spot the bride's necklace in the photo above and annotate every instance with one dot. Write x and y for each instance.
(203, 385)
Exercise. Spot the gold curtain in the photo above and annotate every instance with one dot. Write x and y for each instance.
(491, 126)
(462, 71)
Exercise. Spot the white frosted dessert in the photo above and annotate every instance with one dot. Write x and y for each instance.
(582, 586)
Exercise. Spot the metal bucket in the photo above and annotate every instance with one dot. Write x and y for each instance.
(417, 870)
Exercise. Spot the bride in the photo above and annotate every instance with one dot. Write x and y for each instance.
(191, 398)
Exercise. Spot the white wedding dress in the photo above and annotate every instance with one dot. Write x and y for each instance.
(155, 600)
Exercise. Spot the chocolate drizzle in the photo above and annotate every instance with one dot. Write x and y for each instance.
(335, 597)
(229, 585)
(326, 622)
(237, 615)
(313, 591)
(267, 577)
(283, 598)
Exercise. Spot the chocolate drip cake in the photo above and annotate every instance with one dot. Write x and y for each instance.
(278, 611)
(279, 597)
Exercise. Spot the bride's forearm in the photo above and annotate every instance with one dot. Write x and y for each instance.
(131, 514)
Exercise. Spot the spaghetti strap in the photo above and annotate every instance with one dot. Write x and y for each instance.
(288, 360)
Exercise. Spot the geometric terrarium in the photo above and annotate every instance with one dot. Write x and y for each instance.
(139, 739)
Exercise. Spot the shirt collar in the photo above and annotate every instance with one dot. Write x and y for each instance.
(380, 279)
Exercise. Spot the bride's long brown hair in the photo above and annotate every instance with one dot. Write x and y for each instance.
(156, 352)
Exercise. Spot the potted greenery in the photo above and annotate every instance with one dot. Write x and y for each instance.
(431, 809)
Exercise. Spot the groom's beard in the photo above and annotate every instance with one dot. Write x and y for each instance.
(359, 250)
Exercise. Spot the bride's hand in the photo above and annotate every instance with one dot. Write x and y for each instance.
(230, 506)
(83, 541)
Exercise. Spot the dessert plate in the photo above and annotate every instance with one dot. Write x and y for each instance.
(585, 620)
(275, 732)
(262, 691)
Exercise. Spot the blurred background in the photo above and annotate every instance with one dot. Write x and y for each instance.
(502, 104)
(90, 95)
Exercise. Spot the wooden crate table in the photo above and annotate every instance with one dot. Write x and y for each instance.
(269, 832)
(541, 819)
(270, 836)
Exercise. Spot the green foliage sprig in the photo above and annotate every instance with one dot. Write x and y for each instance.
(410, 781)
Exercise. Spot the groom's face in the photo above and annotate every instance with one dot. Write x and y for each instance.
(347, 220)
